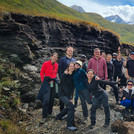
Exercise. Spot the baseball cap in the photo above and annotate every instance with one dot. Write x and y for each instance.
(132, 53)
(83, 56)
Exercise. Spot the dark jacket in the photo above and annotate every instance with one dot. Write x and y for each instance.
(118, 68)
(110, 70)
(130, 67)
(66, 87)
(63, 63)
(79, 78)
(128, 93)
(95, 88)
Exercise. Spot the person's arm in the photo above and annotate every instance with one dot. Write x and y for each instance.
(127, 75)
(83, 74)
(89, 64)
(113, 70)
(61, 86)
(60, 68)
(105, 70)
(107, 82)
(42, 72)
(119, 50)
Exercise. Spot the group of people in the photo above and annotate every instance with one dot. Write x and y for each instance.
(89, 83)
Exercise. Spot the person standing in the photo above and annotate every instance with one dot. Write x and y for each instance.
(66, 90)
(130, 67)
(63, 63)
(100, 96)
(84, 67)
(98, 64)
(118, 65)
(79, 78)
(110, 70)
(46, 93)
(83, 60)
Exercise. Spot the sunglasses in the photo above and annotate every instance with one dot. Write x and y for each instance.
(130, 84)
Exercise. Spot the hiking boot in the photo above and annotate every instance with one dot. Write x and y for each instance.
(75, 104)
(127, 112)
(72, 128)
(91, 126)
(106, 124)
(132, 111)
(51, 116)
(43, 120)
(57, 118)
(118, 102)
(85, 120)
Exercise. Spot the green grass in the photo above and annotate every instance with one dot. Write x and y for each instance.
(53, 8)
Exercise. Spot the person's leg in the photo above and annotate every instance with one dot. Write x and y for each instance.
(70, 114)
(51, 100)
(62, 114)
(127, 104)
(106, 108)
(65, 100)
(95, 105)
(61, 105)
(132, 110)
(86, 95)
(45, 104)
(115, 90)
(76, 98)
(83, 104)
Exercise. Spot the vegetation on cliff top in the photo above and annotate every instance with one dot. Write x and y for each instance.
(53, 8)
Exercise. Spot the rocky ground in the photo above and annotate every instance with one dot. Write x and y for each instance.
(53, 126)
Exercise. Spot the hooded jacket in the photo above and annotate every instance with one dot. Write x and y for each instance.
(128, 93)
(99, 66)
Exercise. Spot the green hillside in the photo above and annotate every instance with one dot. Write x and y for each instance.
(53, 8)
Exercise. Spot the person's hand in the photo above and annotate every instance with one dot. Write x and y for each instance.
(97, 78)
(71, 101)
(128, 77)
(124, 98)
(66, 72)
(108, 79)
(119, 48)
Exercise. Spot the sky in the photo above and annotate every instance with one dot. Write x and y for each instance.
(123, 8)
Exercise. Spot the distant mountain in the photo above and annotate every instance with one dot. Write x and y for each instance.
(116, 19)
(78, 8)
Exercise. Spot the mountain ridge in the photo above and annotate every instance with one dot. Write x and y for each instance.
(116, 19)
(78, 8)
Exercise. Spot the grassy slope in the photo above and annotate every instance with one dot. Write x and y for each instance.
(55, 9)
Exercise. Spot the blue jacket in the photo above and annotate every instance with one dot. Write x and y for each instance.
(63, 63)
(79, 78)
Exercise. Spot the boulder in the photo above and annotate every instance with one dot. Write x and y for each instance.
(126, 128)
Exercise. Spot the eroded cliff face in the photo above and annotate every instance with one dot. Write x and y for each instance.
(26, 38)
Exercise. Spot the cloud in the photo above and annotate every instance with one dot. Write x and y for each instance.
(126, 12)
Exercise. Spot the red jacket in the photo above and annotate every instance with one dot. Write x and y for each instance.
(99, 66)
(49, 69)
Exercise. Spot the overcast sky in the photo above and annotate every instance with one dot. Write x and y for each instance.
(123, 8)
